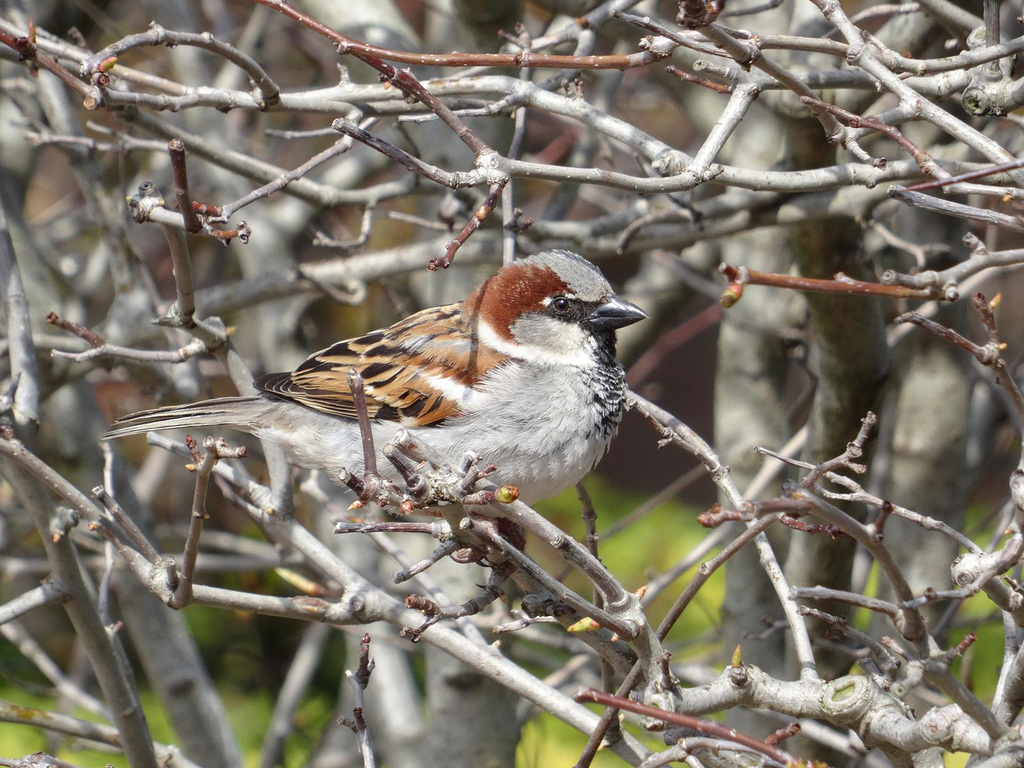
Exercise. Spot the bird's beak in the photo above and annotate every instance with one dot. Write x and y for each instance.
(615, 313)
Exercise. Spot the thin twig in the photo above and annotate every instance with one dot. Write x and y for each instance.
(355, 384)
(359, 680)
(179, 172)
(959, 210)
(367, 52)
(94, 339)
(474, 223)
(105, 60)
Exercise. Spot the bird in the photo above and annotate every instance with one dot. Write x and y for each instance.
(522, 373)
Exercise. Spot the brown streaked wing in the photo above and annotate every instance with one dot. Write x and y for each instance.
(428, 347)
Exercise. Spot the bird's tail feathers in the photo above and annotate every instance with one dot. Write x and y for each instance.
(237, 412)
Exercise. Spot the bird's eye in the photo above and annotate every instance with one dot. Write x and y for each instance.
(560, 304)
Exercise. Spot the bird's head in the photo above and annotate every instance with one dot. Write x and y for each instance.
(554, 306)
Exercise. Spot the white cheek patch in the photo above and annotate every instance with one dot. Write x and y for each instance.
(542, 339)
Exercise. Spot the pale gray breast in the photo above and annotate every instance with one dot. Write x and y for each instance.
(544, 426)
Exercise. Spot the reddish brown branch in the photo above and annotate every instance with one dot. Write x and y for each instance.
(709, 727)
(852, 119)
(27, 50)
(243, 233)
(987, 311)
(94, 339)
(524, 59)
(686, 77)
(772, 739)
(179, 171)
(811, 528)
(360, 679)
(883, 517)
(365, 668)
(969, 176)
(424, 605)
(741, 276)
(207, 209)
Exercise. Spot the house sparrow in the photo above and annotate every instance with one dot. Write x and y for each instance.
(522, 372)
